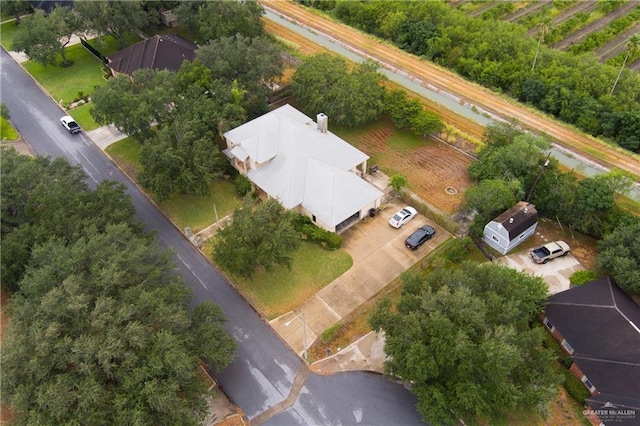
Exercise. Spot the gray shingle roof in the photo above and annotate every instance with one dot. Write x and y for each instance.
(602, 325)
(158, 52)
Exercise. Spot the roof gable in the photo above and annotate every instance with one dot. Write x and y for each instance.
(157, 52)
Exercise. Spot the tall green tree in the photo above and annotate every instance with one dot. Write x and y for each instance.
(519, 160)
(44, 198)
(44, 38)
(323, 83)
(259, 237)
(619, 255)
(115, 18)
(463, 338)
(17, 8)
(101, 334)
(227, 18)
(489, 198)
(133, 103)
(253, 62)
(593, 202)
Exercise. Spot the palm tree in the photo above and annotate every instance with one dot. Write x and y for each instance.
(543, 30)
(633, 44)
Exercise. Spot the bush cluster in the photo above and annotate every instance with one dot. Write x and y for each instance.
(328, 240)
(575, 388)
(457, 250)
(243, 185)
(582, 277)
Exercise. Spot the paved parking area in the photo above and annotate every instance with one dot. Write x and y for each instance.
(556, 272)
(379, 257)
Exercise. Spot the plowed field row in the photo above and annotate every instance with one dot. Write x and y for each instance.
(390, 56)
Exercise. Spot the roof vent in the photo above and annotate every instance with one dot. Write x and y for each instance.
(323, 122)
(510, 220)
(526, 210)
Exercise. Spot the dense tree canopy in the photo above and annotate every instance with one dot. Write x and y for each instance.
(213, 20)
(323, 83)
(259, 237)
(44, 198)
(190, 109)
(115, 18)
(253, 62)
(619, 255)
(499, 55)
(464, 339)
(44, 38)
(100, 330)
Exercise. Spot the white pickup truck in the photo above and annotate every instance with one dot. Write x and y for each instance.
(70, 124)
(549, 251)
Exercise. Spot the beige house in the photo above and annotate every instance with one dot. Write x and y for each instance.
(305, 167)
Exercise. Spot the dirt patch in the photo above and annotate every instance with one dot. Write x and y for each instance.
(583, 248)
(432, 168)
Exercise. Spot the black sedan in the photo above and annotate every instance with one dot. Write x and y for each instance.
(418, 238)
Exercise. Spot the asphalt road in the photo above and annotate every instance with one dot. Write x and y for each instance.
(260, 380)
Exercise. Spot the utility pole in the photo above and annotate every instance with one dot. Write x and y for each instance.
(535, 182)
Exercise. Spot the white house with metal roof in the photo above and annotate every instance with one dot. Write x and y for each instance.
(304, 166)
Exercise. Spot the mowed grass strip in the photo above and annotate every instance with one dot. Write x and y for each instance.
(278, 291)
(197, 212)
(82, 115)
(87, 71)
(126, 153)
(7, 132)
(8, 32)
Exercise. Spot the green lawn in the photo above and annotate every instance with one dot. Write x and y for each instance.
(280, 290)
(7, 132)
(87, 71)
(126, 153)
(83, 117)
(198, 212)
(8, 31)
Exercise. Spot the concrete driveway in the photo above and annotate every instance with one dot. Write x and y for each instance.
(379, 257)
(556, 272)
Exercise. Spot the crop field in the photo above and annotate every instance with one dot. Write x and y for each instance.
(599, 26)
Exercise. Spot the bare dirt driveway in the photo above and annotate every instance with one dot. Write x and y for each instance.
(391, 56)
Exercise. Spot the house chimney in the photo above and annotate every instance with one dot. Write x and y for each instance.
(323, 122)
(510, 220)
(526, 210)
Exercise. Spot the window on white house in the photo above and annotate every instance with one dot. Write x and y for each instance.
(567, 346)
(548, 324)
(313, 217)
(588, 384)
(495, 238)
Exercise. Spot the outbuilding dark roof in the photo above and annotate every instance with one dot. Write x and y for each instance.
(158, 52)
(518, 218)
(602, 325)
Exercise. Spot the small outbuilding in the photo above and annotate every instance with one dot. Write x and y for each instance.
(512, 227)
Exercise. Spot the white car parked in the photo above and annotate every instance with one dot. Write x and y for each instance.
(402, 217)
